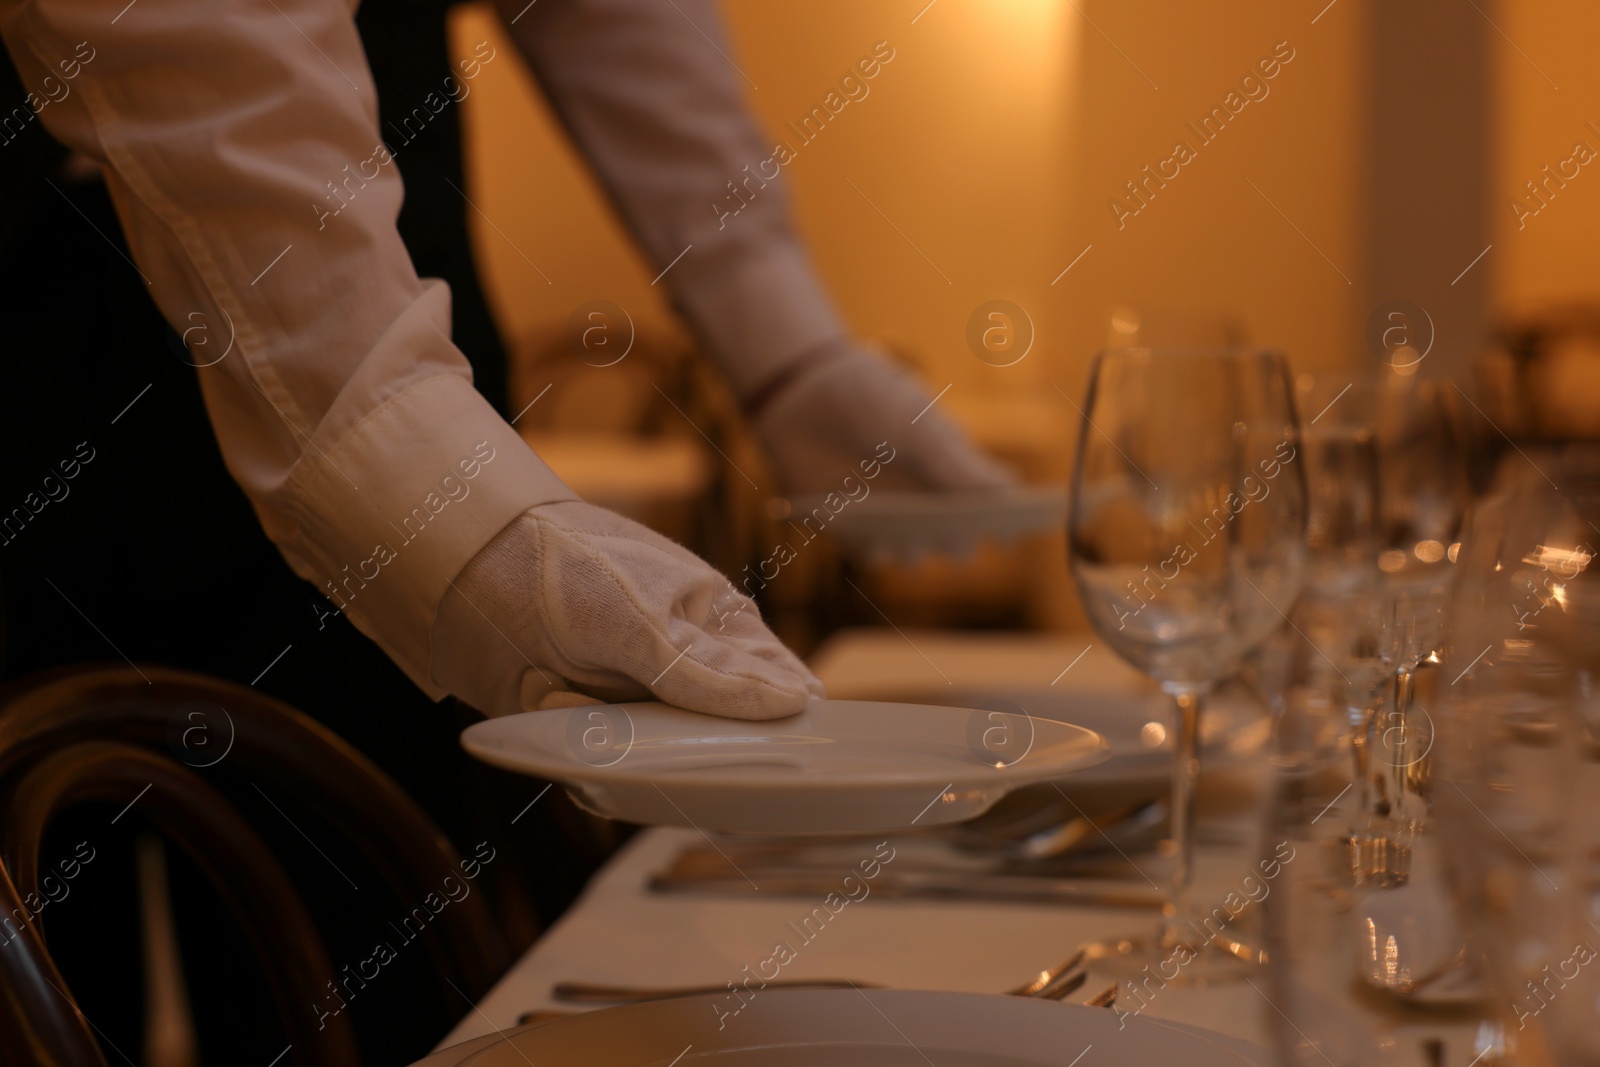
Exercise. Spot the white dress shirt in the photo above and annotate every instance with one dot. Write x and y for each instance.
(341, 406)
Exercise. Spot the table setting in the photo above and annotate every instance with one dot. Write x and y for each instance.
(1296, 797)
(1091, 563)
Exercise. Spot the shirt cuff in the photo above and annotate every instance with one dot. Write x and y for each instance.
(382, 520)
(757, 310)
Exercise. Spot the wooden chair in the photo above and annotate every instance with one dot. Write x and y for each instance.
(106, 734)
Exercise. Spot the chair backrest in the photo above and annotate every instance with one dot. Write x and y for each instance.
(105, 734)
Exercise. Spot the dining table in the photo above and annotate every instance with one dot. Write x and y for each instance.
(623, 931)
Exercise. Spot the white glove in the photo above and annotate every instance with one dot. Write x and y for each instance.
(613, 608)
(828, 419)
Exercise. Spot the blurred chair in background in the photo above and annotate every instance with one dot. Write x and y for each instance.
(116, 737)
(1008, 585)
(1541, 381)
(613, 422)
(641, 423)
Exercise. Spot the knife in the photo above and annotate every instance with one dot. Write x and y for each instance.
(917, 885)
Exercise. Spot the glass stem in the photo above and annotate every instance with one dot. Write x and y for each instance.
(1405, 681)
(1176, 927)
(1362, 721)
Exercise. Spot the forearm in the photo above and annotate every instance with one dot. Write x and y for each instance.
(661, 116)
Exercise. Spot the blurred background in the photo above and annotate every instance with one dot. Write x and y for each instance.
(1384, 163)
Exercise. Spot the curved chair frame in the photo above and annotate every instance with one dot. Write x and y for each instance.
(103, 733)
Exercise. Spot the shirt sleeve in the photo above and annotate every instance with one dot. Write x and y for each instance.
(649, 91)
(239, 142)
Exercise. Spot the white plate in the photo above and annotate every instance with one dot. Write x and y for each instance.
(840, 766)
(1136, 726)
(846, 1028)
(905, 525)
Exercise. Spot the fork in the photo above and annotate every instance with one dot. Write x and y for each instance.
(1061, 986)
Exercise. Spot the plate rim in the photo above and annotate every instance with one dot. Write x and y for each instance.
(979, 775)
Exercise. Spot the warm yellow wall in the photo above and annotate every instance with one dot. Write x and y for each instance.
(968, 144)
(997, 136)
(1209, 241)
(971, 143)
(960, 143)
(1553, 258)
(538, 209)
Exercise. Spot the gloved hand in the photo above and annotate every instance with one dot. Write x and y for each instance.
(614, 609)
(841, 403)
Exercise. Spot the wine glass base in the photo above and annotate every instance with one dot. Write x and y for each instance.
(1143, 964)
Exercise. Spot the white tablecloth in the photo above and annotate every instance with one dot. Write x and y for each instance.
(621, 933)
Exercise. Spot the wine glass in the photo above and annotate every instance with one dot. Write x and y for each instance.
(1368, 963)
(1343, 614)
(1518, 758)
(1464, 926)
(1389, 492)
(1424, 500)
(1186, 544)
(1425, 494)
(1340, 457)
(1425, 485)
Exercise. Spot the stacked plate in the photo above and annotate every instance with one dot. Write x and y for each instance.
(840, 766)
(1134, 725)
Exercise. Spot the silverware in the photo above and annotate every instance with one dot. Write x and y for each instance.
(1058, 988)
(1052, 832)
(1026, 811)
(919, 885)
(1103, 999)
(1128, 828)
(925, 856)
(1062, 989)
(1053, 983)
(1083, 846)
(1062, 829)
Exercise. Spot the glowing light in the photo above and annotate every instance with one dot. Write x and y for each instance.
(1429, 551)
(1564, 561)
